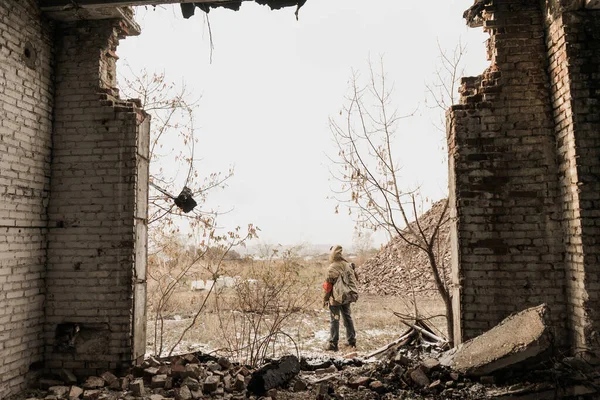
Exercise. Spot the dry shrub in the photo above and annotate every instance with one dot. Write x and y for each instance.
(253, 319)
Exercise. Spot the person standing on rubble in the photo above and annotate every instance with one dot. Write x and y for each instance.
(340, 291)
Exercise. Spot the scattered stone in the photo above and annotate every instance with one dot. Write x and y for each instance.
(274, 375)
(151, 371)
(75, 392)
(193, 370)
(398, 371)
(322, 390)
(197, 394)
(169, 383)
(227, 383)
(213, 366)
(359, 381)
(158, 381)
(93, 382)
(58, 391)
(184, 393)
(350, 356)
(178, 371)
(419, 377)
(164, 370)
(218, 373)
(109, 378)
(224, 363)
(328, 370)
(91, 394)
(242, 371)
(377, 387)
(190, 358)
(211, 383)
(120, 384)
(436, 385)
(191, 383)
(272, 393)
(429, 364)
(402, 360)
(454, 376)
(519, 337)
(299, 386)
(153, 362)
(240, 383)
(156, 397)
(137, 387)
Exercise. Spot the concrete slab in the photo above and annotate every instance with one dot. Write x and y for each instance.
(518, 338)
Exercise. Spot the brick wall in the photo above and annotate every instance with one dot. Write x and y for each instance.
(26, 54)
(573, 43)
(98, 150)
(504, 176)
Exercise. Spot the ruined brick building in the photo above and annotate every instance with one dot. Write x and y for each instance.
(524, 165)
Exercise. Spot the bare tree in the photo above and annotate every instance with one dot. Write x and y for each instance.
(174, 160)
(174, 165)
(442, 91)
(369, 173)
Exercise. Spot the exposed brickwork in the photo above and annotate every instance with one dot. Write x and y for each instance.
(504, 173)
(573, 43)
(92, 237)
(525, 169)
(25, 131)
(73, 199)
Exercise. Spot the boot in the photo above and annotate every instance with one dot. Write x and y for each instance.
(331, 347)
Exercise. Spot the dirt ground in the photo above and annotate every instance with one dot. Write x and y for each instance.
(307, 331)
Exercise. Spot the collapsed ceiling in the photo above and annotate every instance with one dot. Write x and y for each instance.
(187, 9)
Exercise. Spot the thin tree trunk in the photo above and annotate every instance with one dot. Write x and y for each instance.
(444, 293)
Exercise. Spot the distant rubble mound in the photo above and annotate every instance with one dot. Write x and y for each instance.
(399, 268)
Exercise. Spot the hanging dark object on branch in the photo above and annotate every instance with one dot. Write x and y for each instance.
(184, 201)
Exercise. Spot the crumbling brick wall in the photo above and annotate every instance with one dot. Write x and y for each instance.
(96, 223)
(26, 54)
(504, 173)
(73, 199)
(524, 168)
(573, 43)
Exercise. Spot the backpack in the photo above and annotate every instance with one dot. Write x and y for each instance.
(345, 289)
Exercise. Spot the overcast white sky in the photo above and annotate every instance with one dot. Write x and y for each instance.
(274, 82)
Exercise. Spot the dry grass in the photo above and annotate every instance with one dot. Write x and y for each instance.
(374, 320)
(306, 328)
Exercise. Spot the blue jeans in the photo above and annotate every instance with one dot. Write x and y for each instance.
(334, 326)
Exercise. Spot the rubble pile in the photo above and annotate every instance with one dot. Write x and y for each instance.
(399, 268)
(510, 361)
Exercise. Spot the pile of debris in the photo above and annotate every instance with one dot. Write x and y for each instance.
(400, 268)
(511, 361)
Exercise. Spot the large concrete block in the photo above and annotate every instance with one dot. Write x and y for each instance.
(517, 339)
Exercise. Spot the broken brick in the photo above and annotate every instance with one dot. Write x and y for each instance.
(137, 387)
(93, 382)
(109, 378)
(158, 381)
(211, 383)
(75, 392)
(419, 377)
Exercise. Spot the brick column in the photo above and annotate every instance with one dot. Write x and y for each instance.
(26, 53)
(503, 177)
(573, 43)
(97, 212)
